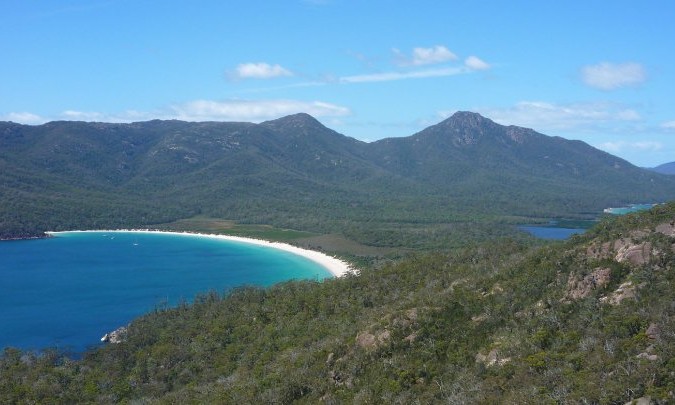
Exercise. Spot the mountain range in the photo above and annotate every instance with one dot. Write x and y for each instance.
(295, 172)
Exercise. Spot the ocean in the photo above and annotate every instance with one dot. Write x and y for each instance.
(69, 290)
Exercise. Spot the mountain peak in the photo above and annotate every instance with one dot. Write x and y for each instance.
(468, 128)
(297, 125)
(298, 120)
(468, 119)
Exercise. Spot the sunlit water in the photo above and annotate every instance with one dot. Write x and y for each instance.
(69, 290)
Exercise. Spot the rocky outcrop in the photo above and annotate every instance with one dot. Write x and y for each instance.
(648, 355)
(635, 254)
(625, 291)
(493, 358)
(367, 340)
(119, 335)
(578, 287)
(631, 248)
(653, 331)
(640, 401)
(667, 228)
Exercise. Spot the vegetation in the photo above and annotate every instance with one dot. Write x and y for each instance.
(590, 320)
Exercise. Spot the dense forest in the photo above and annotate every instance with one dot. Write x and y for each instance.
(589, 320)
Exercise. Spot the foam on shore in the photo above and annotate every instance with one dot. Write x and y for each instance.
(334, 265)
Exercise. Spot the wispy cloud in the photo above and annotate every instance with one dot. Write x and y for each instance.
(198, 110)
(611, 76)
(621, 146)
(475, 63)
(670, 125)
(252, 110)
(23, 118)
(260, 70)
(542, 115)
(390, 76)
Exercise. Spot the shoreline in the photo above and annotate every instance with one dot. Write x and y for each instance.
(333, 265)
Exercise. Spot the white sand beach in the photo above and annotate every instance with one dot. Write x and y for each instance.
(334, 265)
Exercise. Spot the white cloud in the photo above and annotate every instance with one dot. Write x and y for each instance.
(390, 76)
(252, 110)
(670, 125)
(437, 54)
(620, 146)
(23, 118)
(83, 116)
(475, 63)
(260, 71)
(426, 56)
(610, 76)
(199, 110)
(126, 116)
(549, 116)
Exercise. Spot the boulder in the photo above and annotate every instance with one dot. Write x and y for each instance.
(653, 331)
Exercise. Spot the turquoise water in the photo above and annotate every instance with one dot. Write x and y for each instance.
(628, 209)
(69, 290)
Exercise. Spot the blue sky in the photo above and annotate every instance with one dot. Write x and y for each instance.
(599, 71)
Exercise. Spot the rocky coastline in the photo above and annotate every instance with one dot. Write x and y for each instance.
(119, 335)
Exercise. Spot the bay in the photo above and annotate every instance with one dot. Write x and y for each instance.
(551, 232)
(69, 290)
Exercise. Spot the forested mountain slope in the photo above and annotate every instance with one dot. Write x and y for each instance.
(590, 320)
(295, 172)
(666, 168)
(468, 156)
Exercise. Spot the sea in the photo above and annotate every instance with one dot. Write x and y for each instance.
(69, 290)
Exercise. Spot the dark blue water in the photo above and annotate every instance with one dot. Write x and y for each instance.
(551, 232)
(69, 290)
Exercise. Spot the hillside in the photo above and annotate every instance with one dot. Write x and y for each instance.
(460, 178)
(666, 168)
(590, 320)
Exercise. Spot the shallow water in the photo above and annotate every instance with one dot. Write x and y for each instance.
(69, 290)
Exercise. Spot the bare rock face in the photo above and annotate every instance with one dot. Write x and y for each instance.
(636, 254)
(625, 291)
(578, 288)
